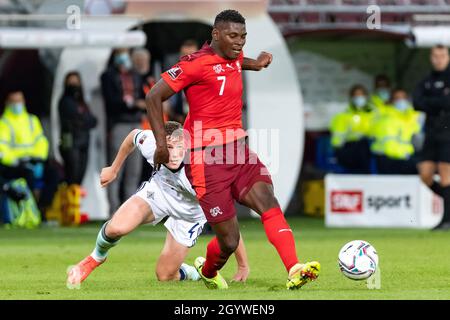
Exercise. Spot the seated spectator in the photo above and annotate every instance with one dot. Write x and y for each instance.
(382, 93)
(349, 131)
(23, 152)
(23, 144)
(393, 132)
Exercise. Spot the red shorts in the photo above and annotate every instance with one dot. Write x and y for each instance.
(224, 174)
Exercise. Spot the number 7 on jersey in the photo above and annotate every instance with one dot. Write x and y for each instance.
(222, 87)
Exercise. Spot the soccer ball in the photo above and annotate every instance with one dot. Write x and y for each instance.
(358, 260)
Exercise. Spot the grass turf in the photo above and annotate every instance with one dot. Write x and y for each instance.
(414, 265)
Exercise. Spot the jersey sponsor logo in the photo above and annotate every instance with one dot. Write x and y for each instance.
(215, 211)
(175, 72)
(218, 68)
(346, 202)
(238, 65)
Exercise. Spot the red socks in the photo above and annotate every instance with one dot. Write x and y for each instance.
(210, 267)
(280, 235)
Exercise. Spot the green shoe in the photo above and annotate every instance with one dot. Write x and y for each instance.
(218, 282)
(300, 274)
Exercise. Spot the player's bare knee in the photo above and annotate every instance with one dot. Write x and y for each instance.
(115, 231)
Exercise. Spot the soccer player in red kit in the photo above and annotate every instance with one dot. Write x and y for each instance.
(220, 166)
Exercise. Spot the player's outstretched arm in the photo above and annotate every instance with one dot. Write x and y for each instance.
(242, 262)
(109, 174)
(160, 92)
(263, 61)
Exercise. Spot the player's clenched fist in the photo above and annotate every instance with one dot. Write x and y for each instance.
(107, 176)
(161, 156)
(264, 59)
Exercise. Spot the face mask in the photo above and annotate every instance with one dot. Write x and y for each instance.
(401, 104)
(74, 91)
(123, 59)
(384, 94)
(359, 101)
(17, 108)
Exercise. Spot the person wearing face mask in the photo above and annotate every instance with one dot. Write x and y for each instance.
(349, 133)
(432, 96)
(123, 96)
(393, 132)
(382, 93)
(76, 121)
(23, 148)
(23, 140)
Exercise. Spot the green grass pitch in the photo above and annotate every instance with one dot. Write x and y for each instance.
(414, 264)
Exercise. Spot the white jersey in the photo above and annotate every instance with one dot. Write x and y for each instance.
(176, 197)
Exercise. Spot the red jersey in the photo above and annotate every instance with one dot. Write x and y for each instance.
(213, 89)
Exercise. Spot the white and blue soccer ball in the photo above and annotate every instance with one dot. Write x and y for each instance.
(358, 260)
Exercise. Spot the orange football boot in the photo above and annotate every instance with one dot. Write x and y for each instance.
(82, 270)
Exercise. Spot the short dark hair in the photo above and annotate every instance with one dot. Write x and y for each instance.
(229, 16)
(382, 78)
(189, 43)
(357, 87)
(439, 46)
(171, 127)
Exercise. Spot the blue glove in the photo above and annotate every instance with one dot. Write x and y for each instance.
(37, 168)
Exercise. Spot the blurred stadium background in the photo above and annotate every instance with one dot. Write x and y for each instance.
(321, 49)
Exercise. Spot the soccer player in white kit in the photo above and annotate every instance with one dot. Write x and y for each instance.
(168, 193)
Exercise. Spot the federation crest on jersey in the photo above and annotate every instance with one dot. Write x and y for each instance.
(142, 139)
(218, 68)
(175, 72)
(215, 211)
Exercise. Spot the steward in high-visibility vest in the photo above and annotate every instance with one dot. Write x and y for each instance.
(21, 134)
(392, 132)
(23, 146)
(382, 93)
(349, 133)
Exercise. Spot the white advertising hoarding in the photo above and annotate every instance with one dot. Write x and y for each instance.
(380, 201)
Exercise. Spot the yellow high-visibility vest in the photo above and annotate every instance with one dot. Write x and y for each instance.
(350, 125)
(21, 137)
(377, 104)
(393, 131)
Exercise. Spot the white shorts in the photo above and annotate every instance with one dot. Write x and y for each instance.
(184, 231)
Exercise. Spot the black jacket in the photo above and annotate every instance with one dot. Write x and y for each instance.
(432, 96)
(76, 120)
(115, 107)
